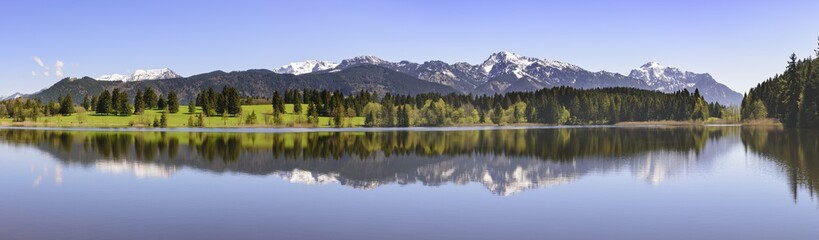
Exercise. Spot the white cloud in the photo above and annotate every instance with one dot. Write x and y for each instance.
(46, 69)
(59, 68)
(38, 61)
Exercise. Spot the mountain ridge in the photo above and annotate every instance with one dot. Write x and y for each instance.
(254, 82)
(506, 71)
(501, 72)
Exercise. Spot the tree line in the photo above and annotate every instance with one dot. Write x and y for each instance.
(560, 105)
(557, 106)
(792, 97)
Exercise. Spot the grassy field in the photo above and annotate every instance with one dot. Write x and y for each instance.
(180, 119)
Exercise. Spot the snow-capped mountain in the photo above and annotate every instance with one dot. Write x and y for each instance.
(298, 68)
(141, 75)
(13, 96)
(671, 79)
(501, 72)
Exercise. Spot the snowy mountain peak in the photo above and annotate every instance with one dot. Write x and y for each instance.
(652, 64)
(509, 62)
(364, 60)
(142, 75)
(308, 66)
(506, 55)
(672, 79)
(13, 96)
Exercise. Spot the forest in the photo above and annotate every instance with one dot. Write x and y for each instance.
(791, 97)
(553, 106)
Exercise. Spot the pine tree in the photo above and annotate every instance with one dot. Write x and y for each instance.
(86, 103)
(93, 103)
(278, 102)
(115, 109)
(67, 105)
(497, 114)
(122, 106)
(313, 116)
(139, 103)
(233, 101)
(161, 104)
(297, 103)
(150, 98)
(791, 90)
(338, 116)
(104, 103)
(173, 102)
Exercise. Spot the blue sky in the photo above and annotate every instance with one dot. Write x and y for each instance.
(739, 42)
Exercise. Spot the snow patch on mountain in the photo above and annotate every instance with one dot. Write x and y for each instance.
(142, 75)
(507, 71)
(13, 96)
(303, 67)
(671, 79)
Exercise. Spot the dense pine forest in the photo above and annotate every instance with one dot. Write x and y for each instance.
(792, 97)
(555, 106)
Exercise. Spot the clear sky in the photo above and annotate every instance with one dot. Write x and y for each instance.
(739, 42)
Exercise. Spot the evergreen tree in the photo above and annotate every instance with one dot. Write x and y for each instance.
(67, 105)
(150, 98)
(115, 108)
(388, 110)
(139, 103)
(86, 103)
(122, 106)
(233, 101)
(278, 102)
(173, 102)
(162, 104)
(792, 91)
(296, 103)
(104, 103)
(497, 114)
(313, 116)
(338, 117)
(93, 103)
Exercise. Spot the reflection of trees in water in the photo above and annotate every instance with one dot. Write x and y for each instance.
(563, 144)
(796, 152)
(505, 161)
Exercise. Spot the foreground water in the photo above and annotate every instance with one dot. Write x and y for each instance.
(564, 183)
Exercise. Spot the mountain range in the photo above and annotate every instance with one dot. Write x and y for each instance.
(506, 72)
(142, 74)
(501, 72)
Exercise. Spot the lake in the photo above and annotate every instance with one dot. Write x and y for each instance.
(720, 182)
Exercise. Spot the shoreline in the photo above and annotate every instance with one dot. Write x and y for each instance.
(267, 129)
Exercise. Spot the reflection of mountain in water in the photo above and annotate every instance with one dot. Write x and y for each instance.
(139, 169)
(504, 161)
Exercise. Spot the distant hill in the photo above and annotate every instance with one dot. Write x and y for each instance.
(255, 83)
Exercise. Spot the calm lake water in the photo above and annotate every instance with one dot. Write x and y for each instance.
(563, 183)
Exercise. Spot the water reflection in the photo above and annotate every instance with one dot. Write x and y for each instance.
(504, 161)
(795, 152)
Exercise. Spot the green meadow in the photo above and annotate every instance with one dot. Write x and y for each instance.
(181, 119)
